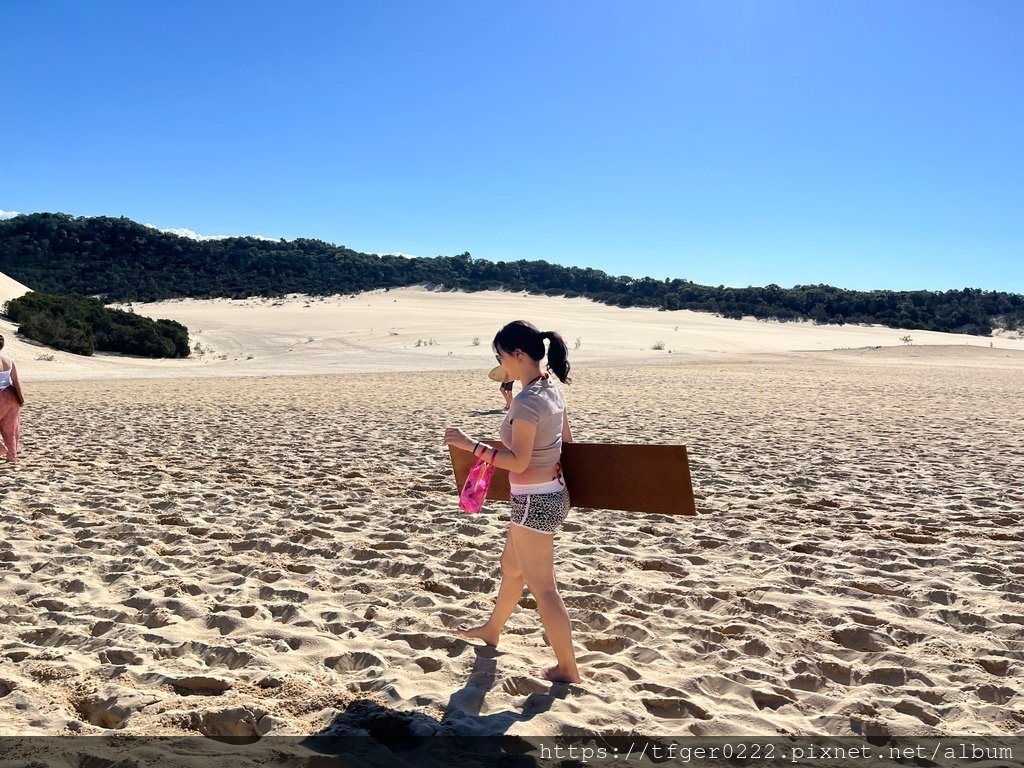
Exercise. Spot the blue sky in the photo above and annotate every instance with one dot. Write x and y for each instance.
(863, 144)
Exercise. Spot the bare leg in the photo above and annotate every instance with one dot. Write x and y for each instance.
(10, 428)
(536, 556)
(511, 589)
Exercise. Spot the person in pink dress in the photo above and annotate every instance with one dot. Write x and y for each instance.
(11, 400)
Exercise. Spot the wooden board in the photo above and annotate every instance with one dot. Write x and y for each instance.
(630, 478)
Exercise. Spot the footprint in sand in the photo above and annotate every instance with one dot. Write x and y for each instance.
(356, 661)
(837, 673)
(429, 664)
(772, 699)
(225, 624)
(421, 642)
(212, 656)
(119, 656)
(996, 694)
(919, 711)
(113, 707)
(941, 596)
(756, 648)
(858, 638)
(674, 708)
(287, 595)
(626, 671)
(524, 685)
(970, 622)
(927, 695)
(474, 584)
(610, 644)
(994, 666)
(805, 681)
(595, 621)
(395, 568)
(885, 676)
(199, 685)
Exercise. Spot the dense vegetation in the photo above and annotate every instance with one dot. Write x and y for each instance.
(82, 325)
(120, 260)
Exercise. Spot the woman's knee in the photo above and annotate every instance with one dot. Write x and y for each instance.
(544, 590)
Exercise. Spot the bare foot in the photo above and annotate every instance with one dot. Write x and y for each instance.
(555, 674)
(480, 633)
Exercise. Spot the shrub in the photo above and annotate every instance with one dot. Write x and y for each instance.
(82, 325)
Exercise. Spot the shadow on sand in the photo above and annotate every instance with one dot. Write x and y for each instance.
(369, 732)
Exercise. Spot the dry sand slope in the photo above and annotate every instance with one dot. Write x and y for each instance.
(412, 329)
(229, 556)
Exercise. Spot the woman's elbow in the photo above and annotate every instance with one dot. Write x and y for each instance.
(520, 465)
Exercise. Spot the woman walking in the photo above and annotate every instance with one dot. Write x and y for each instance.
(11, 401)
(532, 434)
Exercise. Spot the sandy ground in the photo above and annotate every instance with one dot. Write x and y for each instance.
(213, 547)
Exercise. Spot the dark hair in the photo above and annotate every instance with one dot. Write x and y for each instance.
(1, 341)
(522, 335)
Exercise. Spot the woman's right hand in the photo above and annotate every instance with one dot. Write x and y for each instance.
(458, 438)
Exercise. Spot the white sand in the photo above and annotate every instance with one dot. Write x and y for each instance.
(190, 552)
(379, 331)
(10, 289)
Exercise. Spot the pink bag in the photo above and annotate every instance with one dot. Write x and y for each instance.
(474, 492)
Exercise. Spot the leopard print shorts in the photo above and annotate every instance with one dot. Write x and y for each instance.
(542, 512)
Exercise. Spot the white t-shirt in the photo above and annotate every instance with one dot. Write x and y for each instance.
(540, 403)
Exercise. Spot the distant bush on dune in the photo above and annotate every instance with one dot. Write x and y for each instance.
(120, 260)
(81, 325)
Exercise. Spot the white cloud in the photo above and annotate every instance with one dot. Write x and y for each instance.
(8, 214)
(193, 235)
(190, 234)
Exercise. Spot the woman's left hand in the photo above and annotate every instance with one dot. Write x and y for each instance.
(458, 438)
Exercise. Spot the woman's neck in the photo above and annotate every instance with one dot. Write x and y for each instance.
(530, 376)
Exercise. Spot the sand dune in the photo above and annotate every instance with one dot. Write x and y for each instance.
(418, 329)
(10, 289)
(228, 550)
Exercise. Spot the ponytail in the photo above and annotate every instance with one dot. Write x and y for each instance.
(558, 356)
(524, 336)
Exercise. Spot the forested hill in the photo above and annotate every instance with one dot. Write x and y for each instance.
(120, 260)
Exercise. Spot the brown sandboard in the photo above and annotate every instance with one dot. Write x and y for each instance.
(630, 478)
